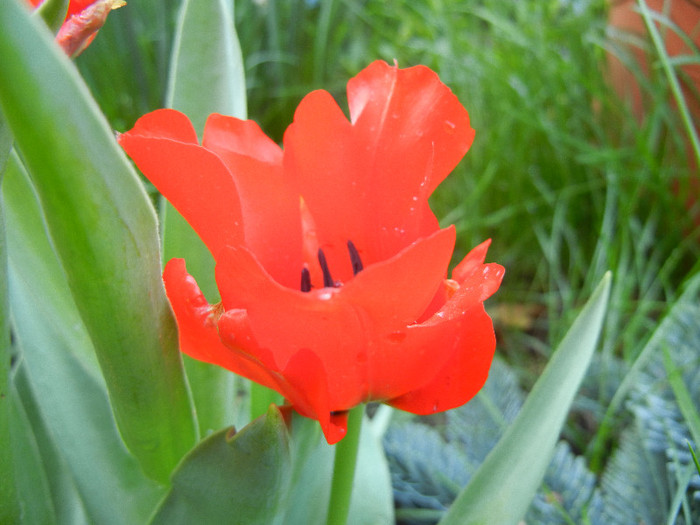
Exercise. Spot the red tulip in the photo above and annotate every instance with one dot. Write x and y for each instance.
(331, 266)
(83, 19)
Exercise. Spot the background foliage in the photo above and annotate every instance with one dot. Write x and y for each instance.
(562, 175)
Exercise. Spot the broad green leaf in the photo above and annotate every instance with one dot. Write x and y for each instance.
(503, 487)
(32, 483)
(59, 370)
(312, 470)
(44, 481)
(372, 500)
(104, 230)
(206, 69)
(206, 76)
(9, 510)
(239, 478)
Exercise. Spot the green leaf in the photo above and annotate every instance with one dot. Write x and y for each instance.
(61, 388)
(49, 487)
(206, 69)
(104, 230)
(9, 510)
(372, 499)
(31, 479)
(239, 478)
(503, 487)
(312, 470)
(206, 76)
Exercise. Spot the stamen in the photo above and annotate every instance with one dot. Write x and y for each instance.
(354, 258)
(328, 281)
(305, 280)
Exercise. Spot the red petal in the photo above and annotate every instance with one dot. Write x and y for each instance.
(481, 280)
(197, 327)
(322, 160)
(286, 321)
(309, 394)
(270, 208)
(163, 146)
(414, 106)
(464, 336)
(394, 293)
(222, 133)
(346, 327)
(303, 383)
(76, 6)
(370, 181)
(195, 317)
(163, 124)
(463, 374)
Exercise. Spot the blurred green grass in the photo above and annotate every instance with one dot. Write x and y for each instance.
(562, 176)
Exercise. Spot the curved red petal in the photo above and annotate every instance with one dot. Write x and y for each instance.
(369, 181)
(394, 293)
(461, 334)
(196, 319)
(321, 159)
(308, 393)
(476, 278)
(464, 372)
(193, 179)
(303, 382)
(163, 124)
(414, 122)
(243, 355)
(269, 206)
(286, 321)
(198, 331)
(223, 133)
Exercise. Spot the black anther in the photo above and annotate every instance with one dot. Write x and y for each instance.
(354, 258)
(328, 281)
(305, 280)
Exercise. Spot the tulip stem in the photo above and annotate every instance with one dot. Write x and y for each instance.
(344, 469)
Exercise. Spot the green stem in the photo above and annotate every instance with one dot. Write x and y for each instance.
(344, 469)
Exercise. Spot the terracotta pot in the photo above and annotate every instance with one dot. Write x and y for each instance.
(684, 13)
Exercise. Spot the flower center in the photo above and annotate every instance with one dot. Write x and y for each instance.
(328, 281)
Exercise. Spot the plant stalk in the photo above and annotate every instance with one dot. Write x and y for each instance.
(344, 469)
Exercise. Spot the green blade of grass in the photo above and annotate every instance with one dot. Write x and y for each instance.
(695, 458)
(683, 395)
(503, 487)
(671, 77)
(104, 231)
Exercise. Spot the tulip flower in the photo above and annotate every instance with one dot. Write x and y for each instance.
(83, 19)
(331, 266)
